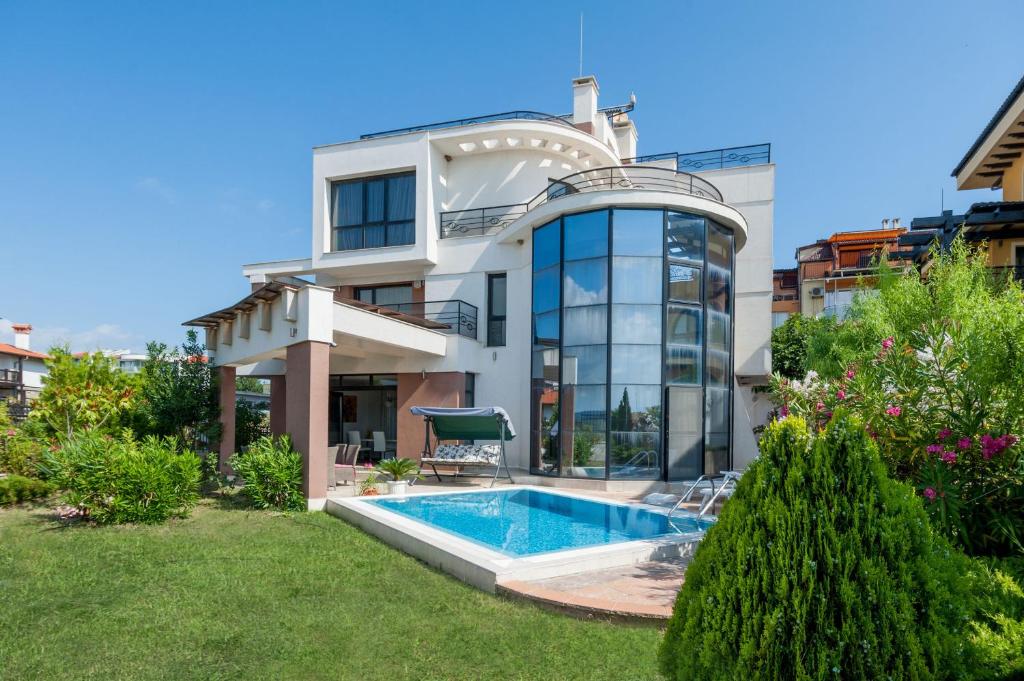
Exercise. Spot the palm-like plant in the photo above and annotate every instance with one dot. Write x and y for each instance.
(398, 469)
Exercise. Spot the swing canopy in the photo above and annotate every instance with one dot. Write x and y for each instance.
(467, 423)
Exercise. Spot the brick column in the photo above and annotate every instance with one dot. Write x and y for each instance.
(306, 404)
(438, 389)
(278, 406)
(226, 381)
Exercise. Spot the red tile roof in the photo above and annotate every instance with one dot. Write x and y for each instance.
(7, 349)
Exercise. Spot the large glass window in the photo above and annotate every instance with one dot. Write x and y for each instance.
(387, 295)
(632, 345)
(373, 212)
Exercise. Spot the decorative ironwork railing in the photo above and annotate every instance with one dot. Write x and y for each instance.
(457, 122)
(778, 297)
(457, 316)
(714, 159)
(490, 220)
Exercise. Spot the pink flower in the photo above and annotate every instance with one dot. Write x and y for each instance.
(944, 433)
(963, 443)
(990, 446)
(888, 343)
(934, 449)
(929, 494)
(820, 406)
(11, 433)
(893, 411)
(841, 394)
(850, 373)
(784, 412)
(949, 457)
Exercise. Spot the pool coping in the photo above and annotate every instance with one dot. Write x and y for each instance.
(485, 568)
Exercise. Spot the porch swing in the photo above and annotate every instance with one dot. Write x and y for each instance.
(467, 423)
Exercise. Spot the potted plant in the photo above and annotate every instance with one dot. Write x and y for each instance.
(368, 487)
(399, 469)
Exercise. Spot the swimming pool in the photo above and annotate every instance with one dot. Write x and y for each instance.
(528, 521)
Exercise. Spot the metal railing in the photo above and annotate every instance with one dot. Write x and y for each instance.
(778, 297)
(458, 122)
(18, 412)
(457, 315)
(714, 159)
(490, 220)
(10, 376)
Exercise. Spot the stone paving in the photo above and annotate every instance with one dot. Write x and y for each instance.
(641, 592)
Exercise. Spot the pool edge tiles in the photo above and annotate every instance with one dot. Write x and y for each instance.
(484, 567)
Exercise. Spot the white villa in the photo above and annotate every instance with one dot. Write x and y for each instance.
(21, 372)
(618, 306)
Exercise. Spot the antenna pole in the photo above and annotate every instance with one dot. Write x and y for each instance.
(581, 45)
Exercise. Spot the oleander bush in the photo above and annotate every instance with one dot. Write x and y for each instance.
(21, 446)
(821, 567)
(272, 471)
(123, 480)
(15, 489)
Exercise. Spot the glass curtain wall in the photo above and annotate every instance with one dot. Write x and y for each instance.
(632, 345)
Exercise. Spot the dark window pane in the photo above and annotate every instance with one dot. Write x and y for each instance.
(393, 295)
(546, 245)
(586, 282)
(374, 237)
(586, 235)
(685, 237)
(496, 305)
(636, 280)
(349, 238)
(401, 233)
(347, 204)
(374, 201)
(401, 198)
(544, 394)
(638, 232)
(683, 283)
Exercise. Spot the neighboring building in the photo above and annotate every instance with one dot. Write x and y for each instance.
(616, 306)
(785, 295)
(831, 270)
(21, 371)
(994, 161)
(125, 360)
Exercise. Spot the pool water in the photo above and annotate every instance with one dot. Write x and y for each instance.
(526, 522)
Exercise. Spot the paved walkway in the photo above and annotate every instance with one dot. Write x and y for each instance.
(642, 592)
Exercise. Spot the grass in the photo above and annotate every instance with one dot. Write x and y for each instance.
(237, 594)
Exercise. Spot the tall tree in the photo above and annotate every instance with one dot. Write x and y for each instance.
(82, 393)
(180, 388)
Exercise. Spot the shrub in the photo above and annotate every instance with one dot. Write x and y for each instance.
(789, 343)
(121, 480)
(272, 471)
(997, 634)
(935, 369)
(820, 566)
(15, 489)
(251, 423)
(20, 452)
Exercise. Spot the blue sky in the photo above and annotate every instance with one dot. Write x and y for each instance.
(146, 153)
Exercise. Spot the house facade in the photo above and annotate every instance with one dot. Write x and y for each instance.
(616, 305)
(21, 372)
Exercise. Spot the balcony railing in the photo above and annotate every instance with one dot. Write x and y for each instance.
(493, 219)
(10, 377)
(456, 316)
(714, 159)
(489, 118)
(17, 412)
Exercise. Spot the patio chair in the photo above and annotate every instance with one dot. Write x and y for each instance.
(346, 466)
(332, 453)
(379, 443)
(354, 437)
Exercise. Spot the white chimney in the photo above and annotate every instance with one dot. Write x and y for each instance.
(885, 223)
(21, 332)
(584, 103)
(895, 223)
(625, 136)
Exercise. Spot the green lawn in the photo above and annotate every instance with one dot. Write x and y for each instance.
(237, 594)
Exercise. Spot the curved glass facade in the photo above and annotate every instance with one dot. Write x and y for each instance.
(631, 372)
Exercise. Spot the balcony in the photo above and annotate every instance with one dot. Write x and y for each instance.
(714, 159)
(10, 378)
(458, 122)
(493, 219)
(444, 316)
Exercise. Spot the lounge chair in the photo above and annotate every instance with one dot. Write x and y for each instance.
(346, 466)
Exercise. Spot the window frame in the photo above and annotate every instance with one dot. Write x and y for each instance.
(493, 318)
(384, 223)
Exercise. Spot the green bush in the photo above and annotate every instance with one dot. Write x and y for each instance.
(15, 489)
(272, 471)
(820, 567)
(997, 632)
(20, 449)
(121, 480)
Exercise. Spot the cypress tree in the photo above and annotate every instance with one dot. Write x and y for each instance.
(819, 567)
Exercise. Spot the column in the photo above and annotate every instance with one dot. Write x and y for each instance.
(226, 386)
(306, 405)
(278, 402)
